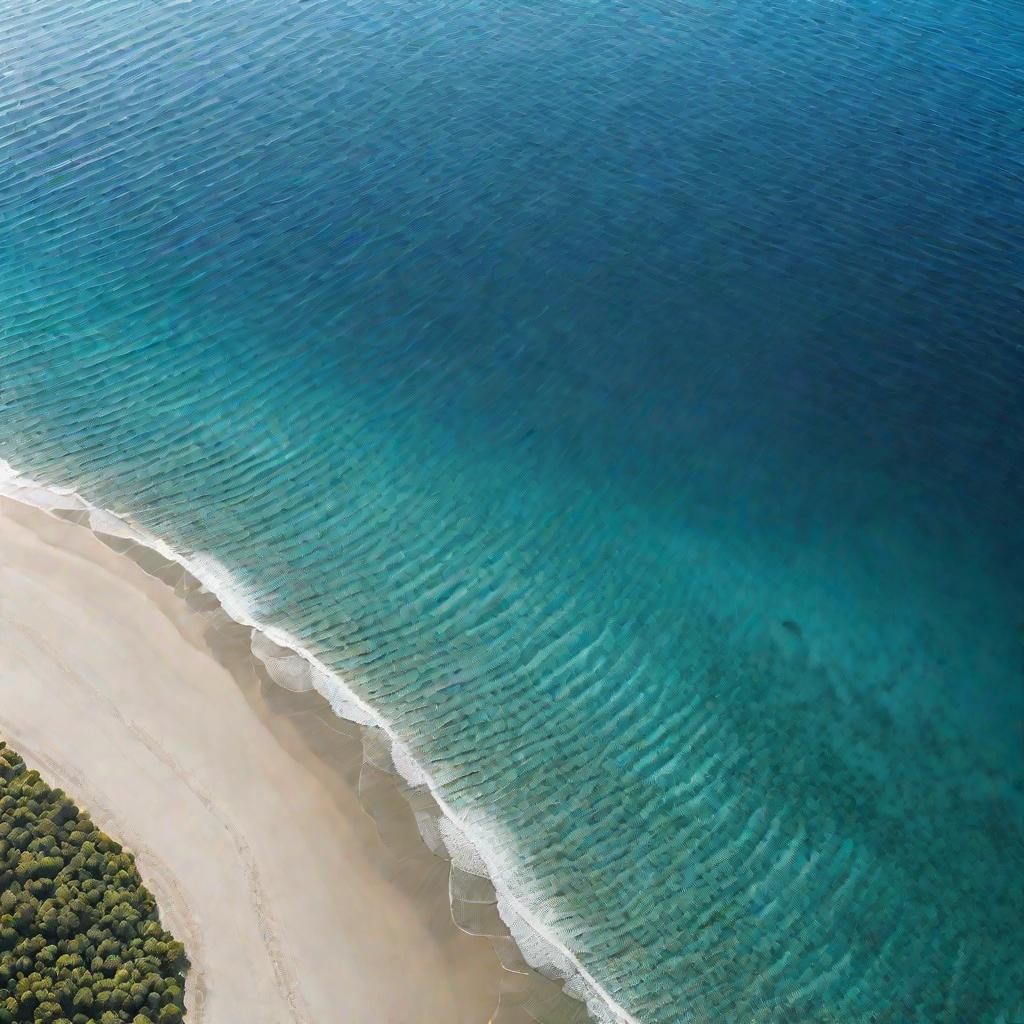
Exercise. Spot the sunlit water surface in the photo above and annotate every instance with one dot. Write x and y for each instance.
(627, 400)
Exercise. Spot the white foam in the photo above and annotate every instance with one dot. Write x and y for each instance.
(281, 664)
(476, 850)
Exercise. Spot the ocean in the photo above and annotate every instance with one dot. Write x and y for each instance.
(621, 404)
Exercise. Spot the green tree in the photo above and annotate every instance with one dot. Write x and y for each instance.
(80, 938)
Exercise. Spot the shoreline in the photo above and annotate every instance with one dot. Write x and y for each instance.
(228, 790)
(295, 668)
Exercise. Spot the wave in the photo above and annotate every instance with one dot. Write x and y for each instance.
(476, 856)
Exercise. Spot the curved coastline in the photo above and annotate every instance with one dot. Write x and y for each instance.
(293, 666)
(292, 905)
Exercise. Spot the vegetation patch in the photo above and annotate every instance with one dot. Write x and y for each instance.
(80, 937)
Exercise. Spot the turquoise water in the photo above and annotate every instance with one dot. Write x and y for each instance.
(627, 401)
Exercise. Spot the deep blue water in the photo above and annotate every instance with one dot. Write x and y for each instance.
(626, 399)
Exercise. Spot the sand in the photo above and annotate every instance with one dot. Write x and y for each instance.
(238, 800)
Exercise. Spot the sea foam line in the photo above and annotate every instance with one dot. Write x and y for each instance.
(477, 847)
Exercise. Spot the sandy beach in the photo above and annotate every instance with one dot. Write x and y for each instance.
(238, 799)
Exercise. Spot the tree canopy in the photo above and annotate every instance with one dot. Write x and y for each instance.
(80, 935)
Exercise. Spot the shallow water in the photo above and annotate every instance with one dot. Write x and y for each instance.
(625, 401)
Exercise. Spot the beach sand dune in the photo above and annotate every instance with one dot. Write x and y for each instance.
(237, 798)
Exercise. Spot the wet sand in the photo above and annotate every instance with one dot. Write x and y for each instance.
(238, 799)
